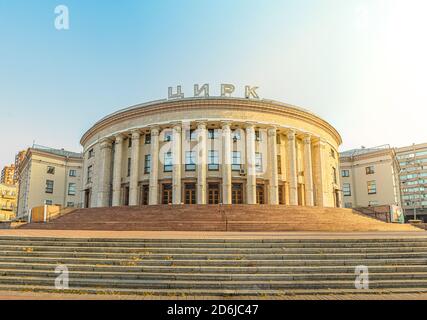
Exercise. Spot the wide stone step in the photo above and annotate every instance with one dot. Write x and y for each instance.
(202, 262)
(227, 285)
(210, 277)
(185, 293)
(197, 250)
(146, 255)
(214, 270)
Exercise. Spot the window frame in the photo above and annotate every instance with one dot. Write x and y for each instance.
(168, 162)
(212, 156)
(234, 165)
(69, 189)
(147, 164)
(49, 189)
(190, 161)
(371, 190)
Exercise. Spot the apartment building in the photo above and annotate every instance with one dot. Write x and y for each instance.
(49, 176)
(370, 177)
(413, 180)
(7, 175)
(8, 196)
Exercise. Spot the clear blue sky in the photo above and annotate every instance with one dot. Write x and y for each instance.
(360, 64)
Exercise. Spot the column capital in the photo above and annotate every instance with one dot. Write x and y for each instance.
(226, 124)
(202, 124)
(136, 134)
(250, 125)
(106, 143)
(118, 138)
(272, 131)
(154, 131)
(307, 139)
(291, 134)
(177, 126)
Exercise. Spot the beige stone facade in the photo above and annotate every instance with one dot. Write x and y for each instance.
(7, 175)
(210, 151)
(370, 177)
(49, 176)
(8, 200)
(413, 180)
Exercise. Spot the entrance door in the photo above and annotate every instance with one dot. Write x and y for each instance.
(144, 195)
(87, 198)
(260, 198)
(337, 198)
(237, 194)
(281, 195)
(213, 194)
(190, 193)
(167, 194)
(300, 194)
(126, 196)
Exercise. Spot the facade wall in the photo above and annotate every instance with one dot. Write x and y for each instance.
(8, 202)
(413, 180)
(303, 166)
(36, 170)
(385, 176)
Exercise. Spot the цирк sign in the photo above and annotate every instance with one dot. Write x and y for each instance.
(203, 91)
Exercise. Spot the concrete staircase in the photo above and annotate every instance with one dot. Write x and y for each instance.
(214, 268)
(219, 218)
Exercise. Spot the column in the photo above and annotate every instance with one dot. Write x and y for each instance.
(308, 172)
(104, 174)
(117, 175)
(250, 164)
(319, 172)
(274, 173)
(134, 169)
(176, 173)
(292, 168)
(226, 163)
(201, 162)
(154, 173)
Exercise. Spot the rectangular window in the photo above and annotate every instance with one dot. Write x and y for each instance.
(49, 186)
(147, 164)
(258, 135)
(89, 174)
(334, 174)
(370, 170)
(346, 189)
(129, 165)
(50, 170)
(190, 161)
(278, 139)
(332, 152)
(213, 160)
(168, 162)
(130, 142)
(71, 189)
(373, 203)
(73, 173)
(148, 138)
(235, 135)
(167, 136)
(48, 202)
(91, 153)
(70, 204)
(191, 135)
(258, 161)
(213, 134)
(372, 187)
(345, 173)
(236, 161)
(279, 164)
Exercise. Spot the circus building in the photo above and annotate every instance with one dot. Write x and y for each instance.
(211, 150)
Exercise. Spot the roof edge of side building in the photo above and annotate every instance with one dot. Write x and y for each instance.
(136, 109)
